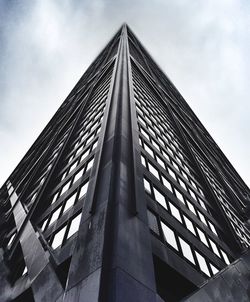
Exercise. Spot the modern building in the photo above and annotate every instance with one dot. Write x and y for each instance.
(124, 197)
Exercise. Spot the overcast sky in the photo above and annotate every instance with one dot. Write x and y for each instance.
(203, 46)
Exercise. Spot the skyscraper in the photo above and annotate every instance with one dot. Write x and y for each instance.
(124, 196)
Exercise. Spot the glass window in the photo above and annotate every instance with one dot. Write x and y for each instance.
(78, 175)
(79, 150)
(189, 225)
(72, 167)
(202, 236)
(186, 250)
(143, 161)
(214, 247)
(55, 197)
(175, 212)
(55, 215)
(191, 207)
(171, 173)
(33, 197)
(25, 271)
(161, 162)
(83, 190)
(212, 228)
(175, 165)
(214, 269)
(184, 174)
(160, 198)
(225, 257)
(49, 166)
(90, 139)
(90, 164)
(182, 184)
(64, 175)
(202, 263)
(149, 150)
(178, 159)
(166, 155)
(170, 151)
(172, 146)
(98, 130)
(71, 157)
(77, 143)
(44, 224)
(42, 180)
(155, 144)
(11, 239)
(161, 141)
(151, 131)
(74, 226)
(58, 238)
(65, 187)
(85, 154)
(193, 183)
(192, 194)
(94, 145)
(147, 186)
(81, 133)
(179, 195)
(141, 120)
(202, 204)
(169, 235)
(144, 133)
(187, 169)
(139, 109)
(202, 218)
(167, 184)
(69, 203)
(153, 171)
(201, 191)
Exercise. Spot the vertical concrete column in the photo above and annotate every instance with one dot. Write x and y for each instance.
(41, 274)
(127, 273)
(112, 260)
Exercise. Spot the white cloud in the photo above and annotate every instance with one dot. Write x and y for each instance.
(202, 45)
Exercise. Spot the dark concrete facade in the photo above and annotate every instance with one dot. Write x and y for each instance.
(124, 196)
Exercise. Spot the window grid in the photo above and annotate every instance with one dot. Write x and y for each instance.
(175, 210)
(71, 186)
(180, 246)
(236, 222)
(195, 207)
(164, 161)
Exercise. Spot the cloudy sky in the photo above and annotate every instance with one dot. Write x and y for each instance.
(203, 46)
